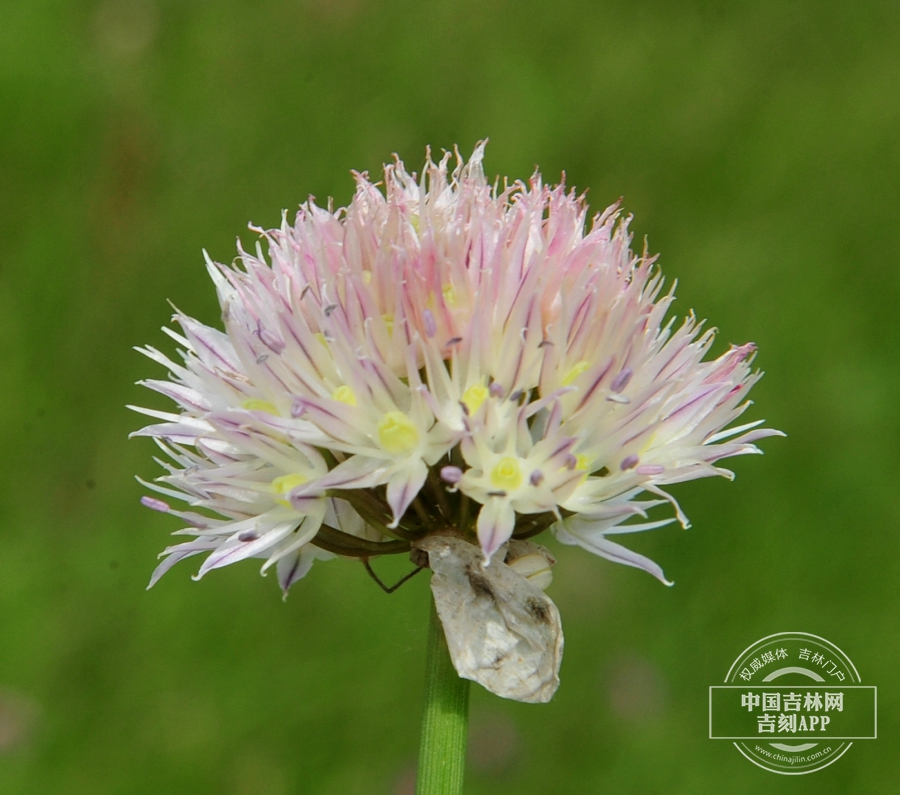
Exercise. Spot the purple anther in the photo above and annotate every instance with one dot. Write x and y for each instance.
(297, 408)
(303, 503)
(650, 469)
(430, 324)
(495, 389)
(451, 474)
(621, 380)
(155, 504)
(536, 478)
(248, 535)
(329, 309)
(272, 342)
(571, 461)
(454, 341)
(629, 462)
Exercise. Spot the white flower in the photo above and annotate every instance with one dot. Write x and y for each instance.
(447, 328)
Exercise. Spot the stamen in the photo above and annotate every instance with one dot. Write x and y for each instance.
(155, 504)
(430, 324)
(268, 339)
(536, 478)
(621, 380)
(629, 462)
(451, 474)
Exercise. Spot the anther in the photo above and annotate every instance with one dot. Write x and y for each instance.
(269, 340)
(621, 380)
(451, 474)
(155, 504)
(430, 324)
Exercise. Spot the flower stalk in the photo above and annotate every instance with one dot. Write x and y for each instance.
(442, 751)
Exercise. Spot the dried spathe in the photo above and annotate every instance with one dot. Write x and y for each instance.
(502, 630)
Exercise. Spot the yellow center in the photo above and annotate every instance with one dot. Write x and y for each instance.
(474, 396)
(449, 295)
(254, 404)
(507, 474)
(286, 484)
(576, 371)
(397, 433)
(582, 465)
(321, 338)
(345, 395)
(388, 319)
(367, 277)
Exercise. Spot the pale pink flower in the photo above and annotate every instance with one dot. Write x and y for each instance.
(442, 326)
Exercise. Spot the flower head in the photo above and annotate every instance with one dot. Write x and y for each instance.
(441, 354)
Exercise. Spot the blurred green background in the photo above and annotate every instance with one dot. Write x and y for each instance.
(758, 146)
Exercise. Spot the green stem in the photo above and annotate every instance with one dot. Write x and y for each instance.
(442, 753)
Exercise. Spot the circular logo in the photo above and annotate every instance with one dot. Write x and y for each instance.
(793, 703)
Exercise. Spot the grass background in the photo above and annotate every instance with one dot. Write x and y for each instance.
(757, 146)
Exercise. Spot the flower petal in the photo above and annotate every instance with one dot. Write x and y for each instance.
(403, 487)
(599, 545)
(496, 522)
